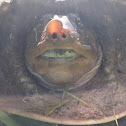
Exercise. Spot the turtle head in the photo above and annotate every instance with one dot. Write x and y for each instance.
(65, 55)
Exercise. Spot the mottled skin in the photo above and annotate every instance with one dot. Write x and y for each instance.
(104, 21)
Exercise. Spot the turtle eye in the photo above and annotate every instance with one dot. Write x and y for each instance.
(79, 23)
(77, 20)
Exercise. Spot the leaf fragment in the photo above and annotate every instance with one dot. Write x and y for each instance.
(80, 100)
(5, 119)
(48, 111)
(116, 118)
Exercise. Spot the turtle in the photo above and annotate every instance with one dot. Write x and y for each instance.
(63, 61)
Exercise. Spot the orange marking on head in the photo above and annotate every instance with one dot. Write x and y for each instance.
(55, 26)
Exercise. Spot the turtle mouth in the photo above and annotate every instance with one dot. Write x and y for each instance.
(59, 54)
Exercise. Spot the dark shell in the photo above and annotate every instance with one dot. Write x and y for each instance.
(106, 91)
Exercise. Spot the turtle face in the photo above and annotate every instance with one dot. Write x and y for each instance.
(64, 55)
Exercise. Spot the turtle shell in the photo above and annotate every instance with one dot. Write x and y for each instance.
(99, 24)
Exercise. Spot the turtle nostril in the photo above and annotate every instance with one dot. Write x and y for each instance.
(54, 35)
(63, 35)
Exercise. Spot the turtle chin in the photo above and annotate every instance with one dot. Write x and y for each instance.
(59, 77)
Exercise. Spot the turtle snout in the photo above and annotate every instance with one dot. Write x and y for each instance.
(56, 31)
